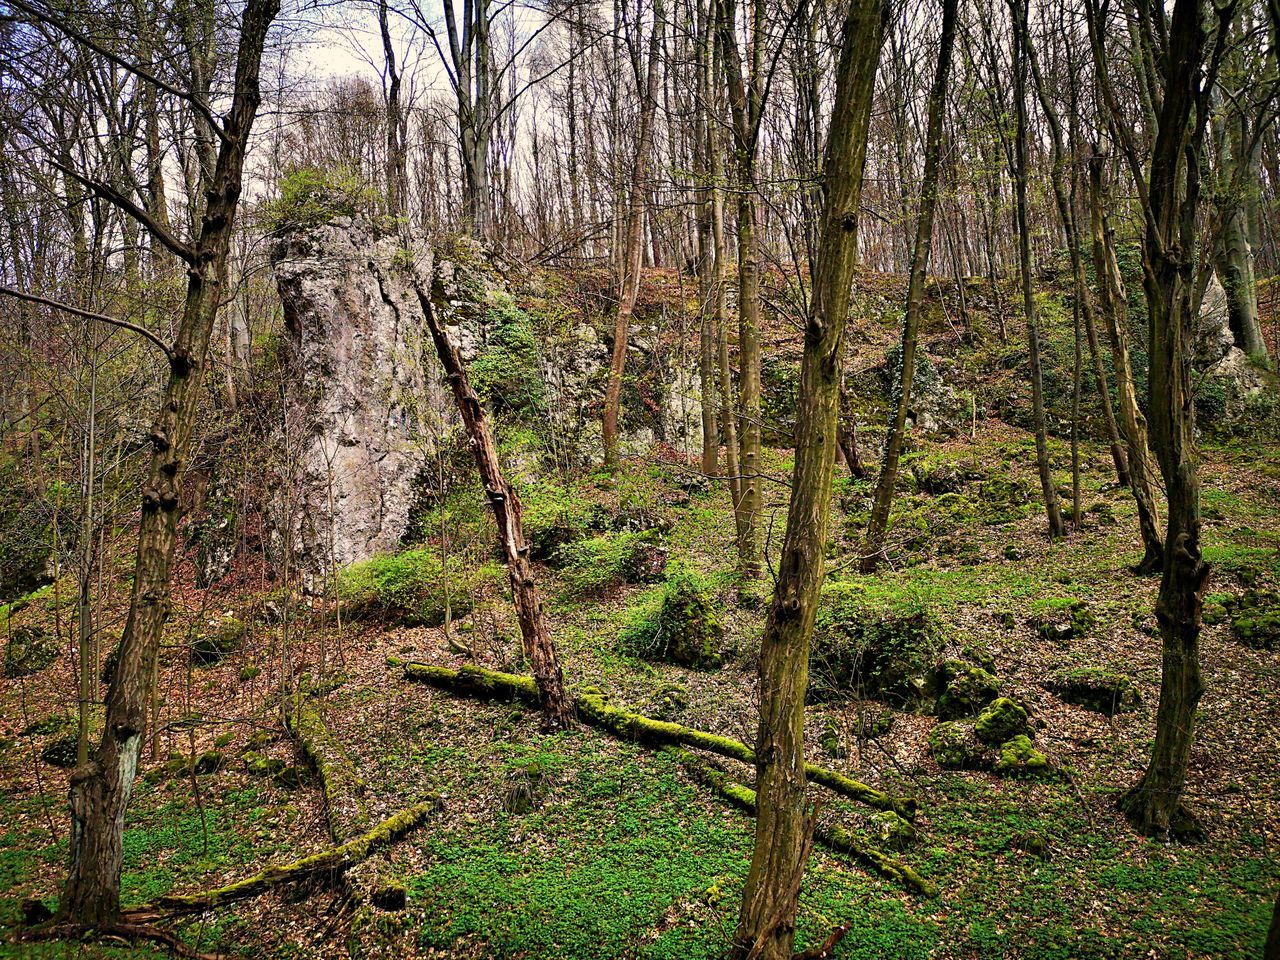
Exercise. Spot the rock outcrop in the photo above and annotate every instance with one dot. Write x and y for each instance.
(363, 404)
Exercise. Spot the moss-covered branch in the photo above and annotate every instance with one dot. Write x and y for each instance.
(591, 709)
(325, 863)
(344, 789)
(832, 836)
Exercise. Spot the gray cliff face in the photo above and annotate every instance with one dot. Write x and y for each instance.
(363, 404)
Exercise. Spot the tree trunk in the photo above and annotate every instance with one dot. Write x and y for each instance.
(766, 924)
(633, 250)
(538, 644)
(1050, 493)
(704, 144)
(101, 789)
(1111, 297)
(883, 500)
(1154, 804)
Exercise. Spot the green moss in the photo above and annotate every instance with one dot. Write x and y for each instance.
(410, 587)
(1001, 720)
(966, 689)
(1094, 689)
(61, 752)
(679, 622)
(310, 196)
(953, 745)
(508, 372)
(212, 647)
(596, 565)
(871, 645)
(1019, 758)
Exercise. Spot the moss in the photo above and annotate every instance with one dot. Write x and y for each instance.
(49, 724)
(212, 647)
(1255, 619)
(953, 745)
(1094, 689)
(892, 830)
(410, 587)
(679, 623)
(249, 673)
(28, 651)
(672, 700)
(832, 739)
(310, 196)
(1001, 720)
(257, 765)
(966, 689)
(1019, 758)
(866, 645)
(507, 374)
(875, 724)
(599, 564)
(1061, 619)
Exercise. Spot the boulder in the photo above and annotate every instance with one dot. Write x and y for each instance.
(966, 689)
(1001, 720)
(28, 651)
(1094, 688)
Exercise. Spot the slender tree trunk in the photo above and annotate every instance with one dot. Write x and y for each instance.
(766, 925)
(1111, 296)
(883, 499)
(704, 143)
(101, 789)
(539, 647)
(1234, 260)
(1050, 493)
(633, 249)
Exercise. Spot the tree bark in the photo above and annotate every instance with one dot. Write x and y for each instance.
(766, 924)
(883, 499)
(101, 789)
(538, 644)
(1111, 298)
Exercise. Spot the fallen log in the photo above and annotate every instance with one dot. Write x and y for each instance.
(591, 708)
(832, 836)
(326, 863)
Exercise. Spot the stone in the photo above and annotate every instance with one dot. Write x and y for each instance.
(1001, 720)
(1018, 758)
(28, 651)
(966, 689)
(1094, 688)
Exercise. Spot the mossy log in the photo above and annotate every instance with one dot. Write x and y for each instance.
(343, 787)
(832, 836)
(326, 863)
(591, 709)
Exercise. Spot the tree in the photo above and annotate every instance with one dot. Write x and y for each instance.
(101, 789)
(888, 478)
(767, 920)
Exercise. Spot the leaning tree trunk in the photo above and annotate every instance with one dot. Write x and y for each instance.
(1154, 804)
(766, 925)
(507, 511)
(1111, 298)
(101, 789)
(1049, 491)
(879, 522)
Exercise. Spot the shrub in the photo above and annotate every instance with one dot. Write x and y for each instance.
(554, 515)
(870, 646)
(604, 563)
(508, 372)
(310, 196)
(677, 622)
(409, 587)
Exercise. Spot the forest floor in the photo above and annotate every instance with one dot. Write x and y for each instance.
(616, 852)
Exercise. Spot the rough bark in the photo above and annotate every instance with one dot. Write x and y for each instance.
(101, 789)
(766, 924)
(1171, 208)
(883, 498)
(538, 644)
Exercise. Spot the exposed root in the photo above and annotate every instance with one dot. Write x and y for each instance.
(833, 837)
(129, 932)
(591, 709)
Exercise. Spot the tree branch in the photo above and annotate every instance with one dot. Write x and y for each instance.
(89, 315)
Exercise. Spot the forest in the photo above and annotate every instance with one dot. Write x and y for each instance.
(646, 479)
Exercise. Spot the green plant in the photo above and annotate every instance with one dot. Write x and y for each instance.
(599, 564)
(677, 622)
(411, 587)
(508, 372)
(310, 196)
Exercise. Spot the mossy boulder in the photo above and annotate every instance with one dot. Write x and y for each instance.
(965, 689)
(598, 565)
(1061, 620)
(679, 623)
(874, 723)
(212, 646)
(413, 587)
(1002, 719)
(867, 646)
(1255, 619)
(258, 765)
(953, 744)
(525, 788)
(893, 831)
(61, 752)
(28, 651)
(1094, 688)
(1019, 758)
(671, 701)
(832, 739)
